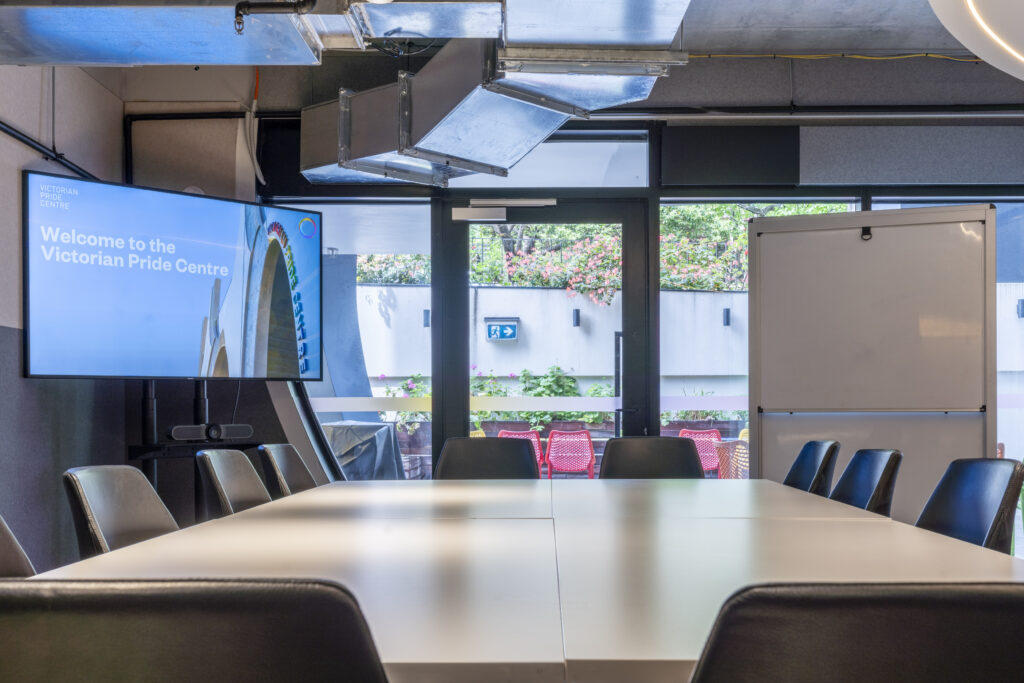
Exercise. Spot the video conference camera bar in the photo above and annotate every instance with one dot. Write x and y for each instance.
(202, 430)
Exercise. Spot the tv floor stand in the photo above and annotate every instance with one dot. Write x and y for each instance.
(184, 441)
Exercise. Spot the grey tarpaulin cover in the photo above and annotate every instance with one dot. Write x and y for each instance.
(365, 450)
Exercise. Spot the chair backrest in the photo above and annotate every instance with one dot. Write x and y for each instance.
(846, 633)
(14, 563)
(285, 471)
(733, 459)
(469, 458)
(651, 457)
(705, 440)
(531, 435)
(975, 501)
(868, 481)
(812, 470)
(570, 451)
(181, 631)
(744, 435)
(230, 482)
(113, 506)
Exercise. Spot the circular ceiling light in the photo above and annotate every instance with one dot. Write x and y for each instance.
(991, 29)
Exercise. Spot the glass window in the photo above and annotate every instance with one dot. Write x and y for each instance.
(704, 333)
(374, 403)
(1009, 326)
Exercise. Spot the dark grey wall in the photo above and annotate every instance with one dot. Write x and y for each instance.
(49, 425)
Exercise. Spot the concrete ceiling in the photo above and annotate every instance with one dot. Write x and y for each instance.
(808, 26)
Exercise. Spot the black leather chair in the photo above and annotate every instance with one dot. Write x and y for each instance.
(651, 457)
(286, 473)
(230, 482)
(475, 458)
(113, 506)
(14, 563)
(183, 631)
(852, 633)
(868, 481)
(975, 501)
(812, 470)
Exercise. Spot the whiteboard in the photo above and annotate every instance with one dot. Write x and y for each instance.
(928, 441)
(897, 322)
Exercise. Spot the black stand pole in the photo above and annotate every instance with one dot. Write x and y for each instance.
(200, 404)
(200, 416)
(149, 428)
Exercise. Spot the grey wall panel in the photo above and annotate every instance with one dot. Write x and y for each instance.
(723, 83)
(730, 155)
(839, 82)
(798, 25)
(896, 155)
(47, 426)
(730, 82)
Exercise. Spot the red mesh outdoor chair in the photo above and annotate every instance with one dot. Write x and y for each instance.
(534, 438)
(570, 452)
(705, 440)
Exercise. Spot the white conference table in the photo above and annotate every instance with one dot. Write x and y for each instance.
(575, 580)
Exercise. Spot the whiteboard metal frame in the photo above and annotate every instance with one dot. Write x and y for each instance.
(974, 213)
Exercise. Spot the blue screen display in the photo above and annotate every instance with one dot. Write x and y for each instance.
(129, 282)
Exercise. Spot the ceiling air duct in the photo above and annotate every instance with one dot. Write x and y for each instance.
(478, 107)
(161, 32)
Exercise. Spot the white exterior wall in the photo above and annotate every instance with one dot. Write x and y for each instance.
(698, 352)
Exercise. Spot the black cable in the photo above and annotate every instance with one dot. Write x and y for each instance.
(53, 109)
(234, 411)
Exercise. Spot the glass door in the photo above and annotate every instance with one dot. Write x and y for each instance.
(547, 353)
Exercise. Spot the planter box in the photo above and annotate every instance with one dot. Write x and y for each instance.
(419, 442)
(492, 428)
(561, 426)
(729, 429)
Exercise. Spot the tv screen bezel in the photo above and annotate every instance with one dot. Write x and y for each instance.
(25, 294)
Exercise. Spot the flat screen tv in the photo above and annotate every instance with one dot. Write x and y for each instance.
(123, 281)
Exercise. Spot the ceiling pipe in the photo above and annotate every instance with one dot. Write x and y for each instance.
(876, 117)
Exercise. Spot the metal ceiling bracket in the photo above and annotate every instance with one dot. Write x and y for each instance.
(344, 124)
(407, 148)
(433, 177)
(360, 22)
(536, 100)
(589, 61)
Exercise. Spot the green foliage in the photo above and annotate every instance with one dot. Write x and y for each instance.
(393, 269)
(554, 382)
(415, 386)
(703, 247)
(489, 385)
(668, 417)
(602, 390)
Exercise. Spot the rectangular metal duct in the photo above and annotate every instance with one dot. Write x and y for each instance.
(477, 108)
(455, 118)
(137, 33)
(426, 19)
(617, 24)
(330, 153)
